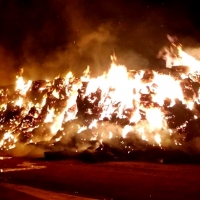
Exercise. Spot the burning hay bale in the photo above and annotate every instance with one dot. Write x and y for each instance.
(119, 115)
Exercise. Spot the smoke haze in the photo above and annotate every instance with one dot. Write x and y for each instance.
(51, 37)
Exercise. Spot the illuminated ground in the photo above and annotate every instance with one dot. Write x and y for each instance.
(110, 180)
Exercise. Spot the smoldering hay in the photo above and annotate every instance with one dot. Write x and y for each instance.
(120, 112)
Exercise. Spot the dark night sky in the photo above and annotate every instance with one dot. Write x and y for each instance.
(48, 37)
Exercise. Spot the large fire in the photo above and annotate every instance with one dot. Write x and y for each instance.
(159, 108)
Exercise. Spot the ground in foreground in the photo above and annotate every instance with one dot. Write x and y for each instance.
(72, 179)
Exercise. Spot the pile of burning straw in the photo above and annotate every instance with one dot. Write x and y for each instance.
(113, 116)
